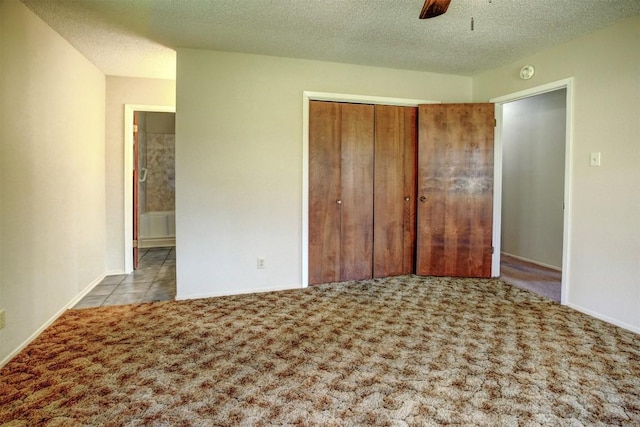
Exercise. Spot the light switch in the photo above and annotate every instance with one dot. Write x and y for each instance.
(594, 159)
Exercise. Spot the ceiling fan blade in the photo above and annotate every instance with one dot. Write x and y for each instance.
(433, 8)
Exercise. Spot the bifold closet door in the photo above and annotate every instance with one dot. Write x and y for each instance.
(395, 189)
(356, 231)
(340, 191)
(324, 192)
(455, 190)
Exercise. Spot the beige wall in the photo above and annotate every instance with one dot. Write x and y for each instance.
(604, 260)
(52, 183)
(239, 160)
(121, 91)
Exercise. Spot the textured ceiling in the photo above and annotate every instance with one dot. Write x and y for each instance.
(138, 37)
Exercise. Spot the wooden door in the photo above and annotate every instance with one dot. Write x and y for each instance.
(455, 190)
(136, 169)
(395, 188)
(356, 231)
(340, 191)
(324, 192)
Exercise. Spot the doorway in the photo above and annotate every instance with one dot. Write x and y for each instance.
(156, 223)
(154, 189)
(532, 192)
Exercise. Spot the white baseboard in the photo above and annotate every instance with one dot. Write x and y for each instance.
(156, 242)
(237, 292)
(53, 318)
(114, 272)
(604, 318)
(541, 264)
(85, 291)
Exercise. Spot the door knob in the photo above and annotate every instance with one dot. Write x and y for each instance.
(339, 201)
(423, 199)
(406, 199)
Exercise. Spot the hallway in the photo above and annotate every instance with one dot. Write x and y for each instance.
(532, 277)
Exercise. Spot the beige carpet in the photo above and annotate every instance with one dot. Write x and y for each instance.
(402, 351)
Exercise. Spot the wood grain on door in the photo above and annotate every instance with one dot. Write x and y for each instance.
(455, 190)
(395, 183)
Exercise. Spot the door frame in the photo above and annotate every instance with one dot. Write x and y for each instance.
(129, 109)
(308, 96)
(497, 188)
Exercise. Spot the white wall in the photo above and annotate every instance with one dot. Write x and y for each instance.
(121, 91)
(604, 259)
(239, 160)
(52, 188)
(533, 145)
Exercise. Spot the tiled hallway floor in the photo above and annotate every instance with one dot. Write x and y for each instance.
(155, 280)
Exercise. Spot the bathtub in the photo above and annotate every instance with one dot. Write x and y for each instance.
(157, 229)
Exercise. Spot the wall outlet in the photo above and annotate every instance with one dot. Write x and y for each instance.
(260, 263)
(2, 319)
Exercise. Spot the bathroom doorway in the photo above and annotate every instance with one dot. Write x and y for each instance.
(154, 188)
(149, 180)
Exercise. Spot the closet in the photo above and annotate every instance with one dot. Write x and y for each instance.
(362, 185)
(400, 190)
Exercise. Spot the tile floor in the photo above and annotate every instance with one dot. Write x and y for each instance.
(155, 280)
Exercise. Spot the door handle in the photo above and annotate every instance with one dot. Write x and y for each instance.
(423, 199)
(339, 201)
(144, 174)
(406, 199)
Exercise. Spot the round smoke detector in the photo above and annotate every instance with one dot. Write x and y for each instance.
(527, 72)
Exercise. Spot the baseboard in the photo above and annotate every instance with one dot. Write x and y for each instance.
(114, 272)
(541, 264)
(604, 318)
(53, 318)
(156, 242)
(238, 292)
(85, 291)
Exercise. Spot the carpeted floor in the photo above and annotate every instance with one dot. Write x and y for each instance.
(401, 351)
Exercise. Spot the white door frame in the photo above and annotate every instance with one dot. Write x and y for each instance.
(497, 188)
(129, 109)
(333, 97)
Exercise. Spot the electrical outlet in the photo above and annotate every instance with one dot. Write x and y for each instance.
(2, 321)
(260, 263)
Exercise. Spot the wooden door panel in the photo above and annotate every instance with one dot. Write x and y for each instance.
(394, 182)
(410, 188)
(324, 191)
(389, 191)
(357, 133)
(455, 189)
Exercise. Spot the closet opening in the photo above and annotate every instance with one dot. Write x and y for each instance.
(389, 191)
